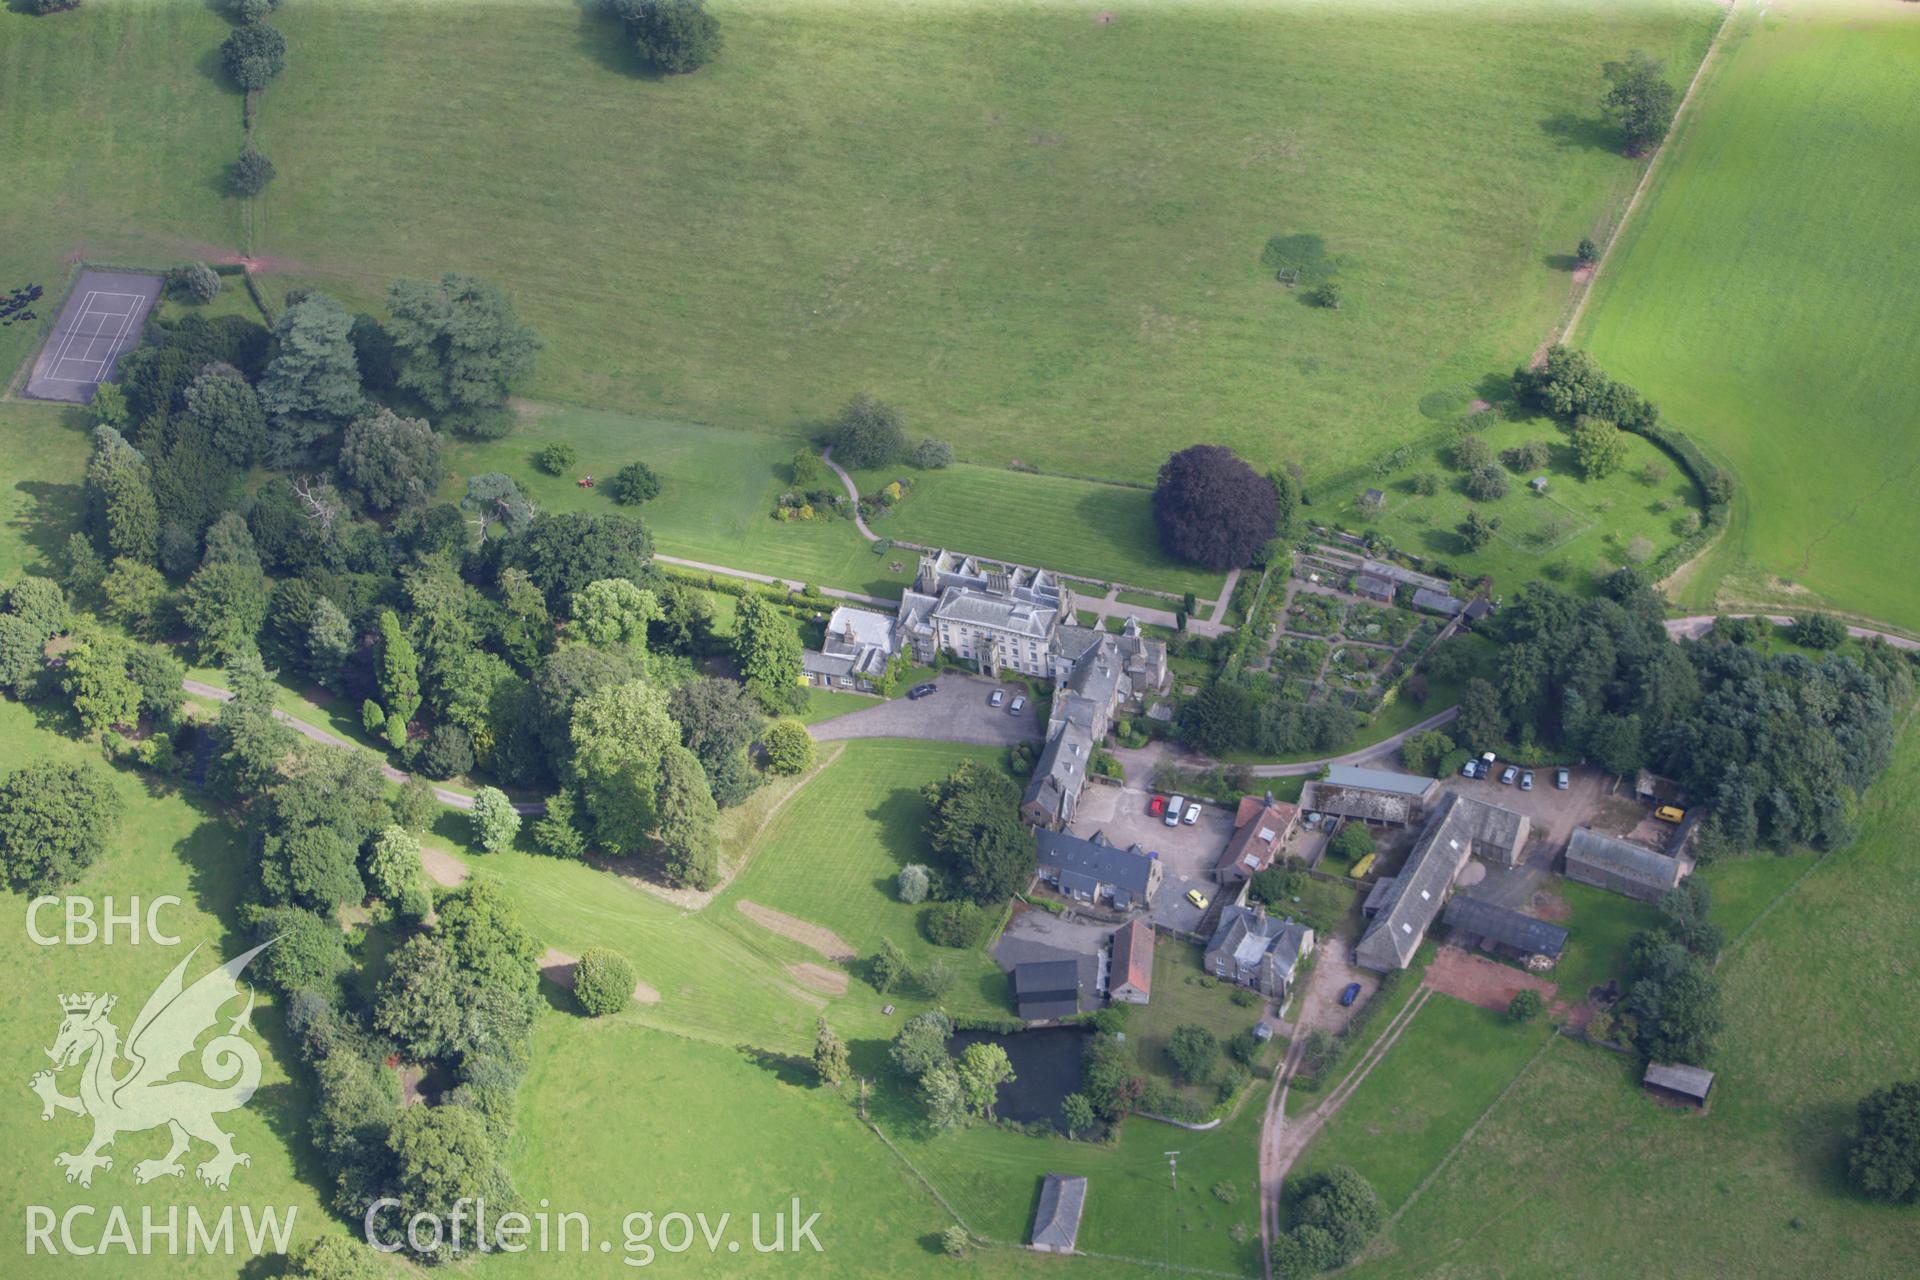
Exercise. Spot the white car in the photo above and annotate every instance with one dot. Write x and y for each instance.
(1192, 814)
(997, 697)
(1174, 806)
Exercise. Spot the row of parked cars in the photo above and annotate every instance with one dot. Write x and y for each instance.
(1483, 766)
(1174, 811)
(995, 699)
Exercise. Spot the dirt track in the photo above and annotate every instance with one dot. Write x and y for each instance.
(821, 939)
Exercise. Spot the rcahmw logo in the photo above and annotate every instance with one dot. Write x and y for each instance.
(130, 1087)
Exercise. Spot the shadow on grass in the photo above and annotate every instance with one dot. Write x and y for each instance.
(787, 1068)
(1560, 262)
(1586, 132)
(603, 37)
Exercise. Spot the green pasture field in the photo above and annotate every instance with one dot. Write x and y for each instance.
(43, 456)
(1099, 531)
(1446, 1068)
(1763, 296)
(164, 845)
(1815, 1018)
(1574, 534)
(1039, 235)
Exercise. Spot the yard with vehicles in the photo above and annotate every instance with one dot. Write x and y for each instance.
(1820, 97)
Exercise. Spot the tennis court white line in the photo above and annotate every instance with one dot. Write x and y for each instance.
(103, 365)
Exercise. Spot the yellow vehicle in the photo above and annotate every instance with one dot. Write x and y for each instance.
(1361, 867)
(1668, 813)
(1197, 898)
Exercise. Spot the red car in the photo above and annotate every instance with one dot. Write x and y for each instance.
(1156, 806)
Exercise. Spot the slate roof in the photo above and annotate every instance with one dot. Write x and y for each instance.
(1436, 602)
(1619, 858)
(1348, 802)
(1373, 585)
(1095, 861)
(1259, 827)
(1509, 928)
(1132, 957)
(1056, 1222)
(1060, 772)
(1411, 906)
(1694, 1082)
(1400, 784)
(1394, 573)
(1045, 989)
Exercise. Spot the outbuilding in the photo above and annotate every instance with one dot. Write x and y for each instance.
(1056, 1220)
(1678, 1083)
(1620, 867)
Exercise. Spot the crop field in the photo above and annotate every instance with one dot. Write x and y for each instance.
(1764, 295)
(1039, 234)
(164, 846)
(1574, 534)
(1806, 976)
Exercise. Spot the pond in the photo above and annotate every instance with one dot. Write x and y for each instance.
(1046, 1068)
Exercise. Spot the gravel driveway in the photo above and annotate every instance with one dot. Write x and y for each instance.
(956, 712)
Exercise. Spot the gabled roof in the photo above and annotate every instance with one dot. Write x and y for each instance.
(1260, 826)
(1132, 956)
(1628, 861)
(1056, 1222)
(1694, 1082)
(1399, 784)
(1061, 771)
(1368, 584)
(1046, 989)
(1437, 601)
(1420, 889)
(1097, 861)
(1510, 928)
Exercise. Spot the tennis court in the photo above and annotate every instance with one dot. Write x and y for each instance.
(100, 323)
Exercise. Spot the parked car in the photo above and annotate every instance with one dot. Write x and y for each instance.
(1512, 772)
(1562, 779)
(1670, 813)
(920, 691)
(1526, 779)
(1019, 705)
(1174, 807)
(997, 697)
(1351, 994)
(1471, 769)
(1197, 898)
(1193, 813)
(1156, 806)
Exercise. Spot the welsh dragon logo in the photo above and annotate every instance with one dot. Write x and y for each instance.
(143, 1094)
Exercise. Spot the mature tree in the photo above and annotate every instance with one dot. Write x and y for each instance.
(459, 347)
(308, 953)
(446, 753)
(223, 404)
(135, 596)
(556, 458)
(685, 622)
(1599, 446)
(329, 642)
(1352, 842)
(557, 831)
(613, 613)
(888, 966)
(932, 455)
(1883, 1152)
(495, 821)
(392, 865)
(830, 1059)
(94, 677)
(1525, 1006)
(1212, 509)
(399, 676)
(921, 1045)
(1471, 452)
(1424, 750)
(769, 652)
(867, 434)
(676, 36)
(1477, 530)
(1587, 253)
(445, 1160)
(121, 510)
(603, 981)
(479, 924)
(390, 461)
(157, 673)
(55, 817)
(634, 484)
(328, 1257)
(717, 723)
(685, 822)
(789, 747)
(195, 282)
(311, 387)
(1343, 1205)
(224, 605)
(944, 1097)
(312, 824)
(415, 807)
(619, 736)
(983, 1069)
(567, 551)
(1076, 1113)
(311, 866)
(1819, 631)
(251, 174)
(1195, 1052)
(1675, 1004)
(1485, 484)
(253, 54)
(41, 606)
(494, 500)
(1222, 718)
(1640, 100)
(911, 884)
(249, 745)
(1481, 723)
(22, 655)
(975, 827)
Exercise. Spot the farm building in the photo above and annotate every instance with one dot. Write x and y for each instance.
(1096, 872)
(1260, 829)
(1046, 989)
(1439, 602)
(1394, 573)
(1678, 1083)
(1619, 867)
(1056, 1222)
(1650, 788)
(1369, 795)
(1457, 829)
(1522, 935)
(1130, 975)
(1373, 587)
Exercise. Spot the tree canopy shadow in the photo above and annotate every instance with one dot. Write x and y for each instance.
(603, 38)
(1591, 133)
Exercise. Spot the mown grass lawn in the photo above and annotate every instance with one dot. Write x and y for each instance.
(1763, 297)
(43, 457)
(1180, 999)
(165, 845)
(1816, 1016)
(1040, 235)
